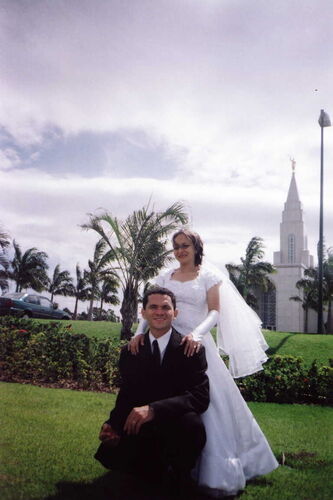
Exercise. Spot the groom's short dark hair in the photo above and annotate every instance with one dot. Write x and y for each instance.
(160, 291)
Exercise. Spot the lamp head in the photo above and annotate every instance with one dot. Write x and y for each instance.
(324, 119)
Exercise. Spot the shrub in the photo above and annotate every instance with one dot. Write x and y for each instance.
(285, 379)
(51, 353)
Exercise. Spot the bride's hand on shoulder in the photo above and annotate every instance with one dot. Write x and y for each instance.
(191, 345)
(135, 342)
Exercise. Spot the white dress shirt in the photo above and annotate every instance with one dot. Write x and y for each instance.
(162, 342)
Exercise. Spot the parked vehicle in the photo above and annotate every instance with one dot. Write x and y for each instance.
(27, 305)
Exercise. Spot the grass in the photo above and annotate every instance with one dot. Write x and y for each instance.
(98, 329)
(307, 346)
(49, 437)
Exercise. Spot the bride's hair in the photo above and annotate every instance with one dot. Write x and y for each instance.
(197, 243)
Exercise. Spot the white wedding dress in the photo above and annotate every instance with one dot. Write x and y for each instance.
(236, 449)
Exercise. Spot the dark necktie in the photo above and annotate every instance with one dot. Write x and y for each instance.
(156, 353)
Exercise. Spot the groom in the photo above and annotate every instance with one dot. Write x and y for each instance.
(156, 426)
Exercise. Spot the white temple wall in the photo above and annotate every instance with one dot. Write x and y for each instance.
(289, 313)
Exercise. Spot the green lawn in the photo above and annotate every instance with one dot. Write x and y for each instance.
(308, 346)
(48, 438)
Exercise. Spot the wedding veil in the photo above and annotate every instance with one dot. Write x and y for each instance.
(239, 332)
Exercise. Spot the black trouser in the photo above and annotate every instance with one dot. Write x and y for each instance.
(176, 442)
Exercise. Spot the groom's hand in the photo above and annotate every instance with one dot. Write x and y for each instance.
(137, 417)
(108, 435)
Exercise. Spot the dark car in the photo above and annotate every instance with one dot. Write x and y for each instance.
(27, 305)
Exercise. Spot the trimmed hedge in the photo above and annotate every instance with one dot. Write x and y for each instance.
(285, 379)
(50, 353)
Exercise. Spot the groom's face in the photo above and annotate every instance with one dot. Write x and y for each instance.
(159, 313)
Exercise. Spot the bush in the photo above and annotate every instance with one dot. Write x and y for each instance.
(285, 379)
(50, 353)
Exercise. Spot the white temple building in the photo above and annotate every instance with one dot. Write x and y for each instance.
(276, 309)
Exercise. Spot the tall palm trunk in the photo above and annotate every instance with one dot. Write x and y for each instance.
(75, 308)
(91, 305)
(329, 328)
(128, 310)
(306, 319)
(100, 309)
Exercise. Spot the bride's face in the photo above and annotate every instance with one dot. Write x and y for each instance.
(183, 249)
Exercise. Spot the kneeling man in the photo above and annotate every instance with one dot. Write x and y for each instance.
(156, 424)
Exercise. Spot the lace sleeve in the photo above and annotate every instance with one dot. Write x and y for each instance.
(211, 279)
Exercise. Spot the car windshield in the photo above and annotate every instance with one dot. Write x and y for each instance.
(13, 295)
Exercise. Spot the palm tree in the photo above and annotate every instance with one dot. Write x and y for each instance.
(309, 287)
(137, 250)
(4, 239)
(4, 266)
(252, 273)
(61, 283)
(107, 293)
(80, 289)
(4, 262)
(309, 297)
(28, 269)
(95, 274)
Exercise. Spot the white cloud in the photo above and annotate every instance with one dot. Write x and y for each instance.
(8, 158)
(44, 210)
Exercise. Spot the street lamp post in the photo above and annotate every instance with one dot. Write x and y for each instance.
(324, 121)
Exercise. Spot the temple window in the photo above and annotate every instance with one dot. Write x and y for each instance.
(291, 249)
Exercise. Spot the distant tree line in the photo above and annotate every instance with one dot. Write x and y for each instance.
(29, 269)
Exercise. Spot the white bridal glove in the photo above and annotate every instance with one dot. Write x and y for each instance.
(142, 327)
(206, 325)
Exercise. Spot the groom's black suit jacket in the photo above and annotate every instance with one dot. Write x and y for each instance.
(180, 385)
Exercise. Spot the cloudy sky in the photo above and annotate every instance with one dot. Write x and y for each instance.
(108, 103)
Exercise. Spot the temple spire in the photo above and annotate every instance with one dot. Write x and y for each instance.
(293, 201)
(291, 261)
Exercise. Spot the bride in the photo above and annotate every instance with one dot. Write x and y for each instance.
(236, 449)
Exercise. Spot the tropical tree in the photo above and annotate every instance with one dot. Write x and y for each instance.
(4, 266)
(95, 273)
(107, 292)
(80, 289)
(61, 283)
(4, 239)
(4, 262)
(309, 286)
(309, 296)
(253, 273)
(136, 250)
(29, 269)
